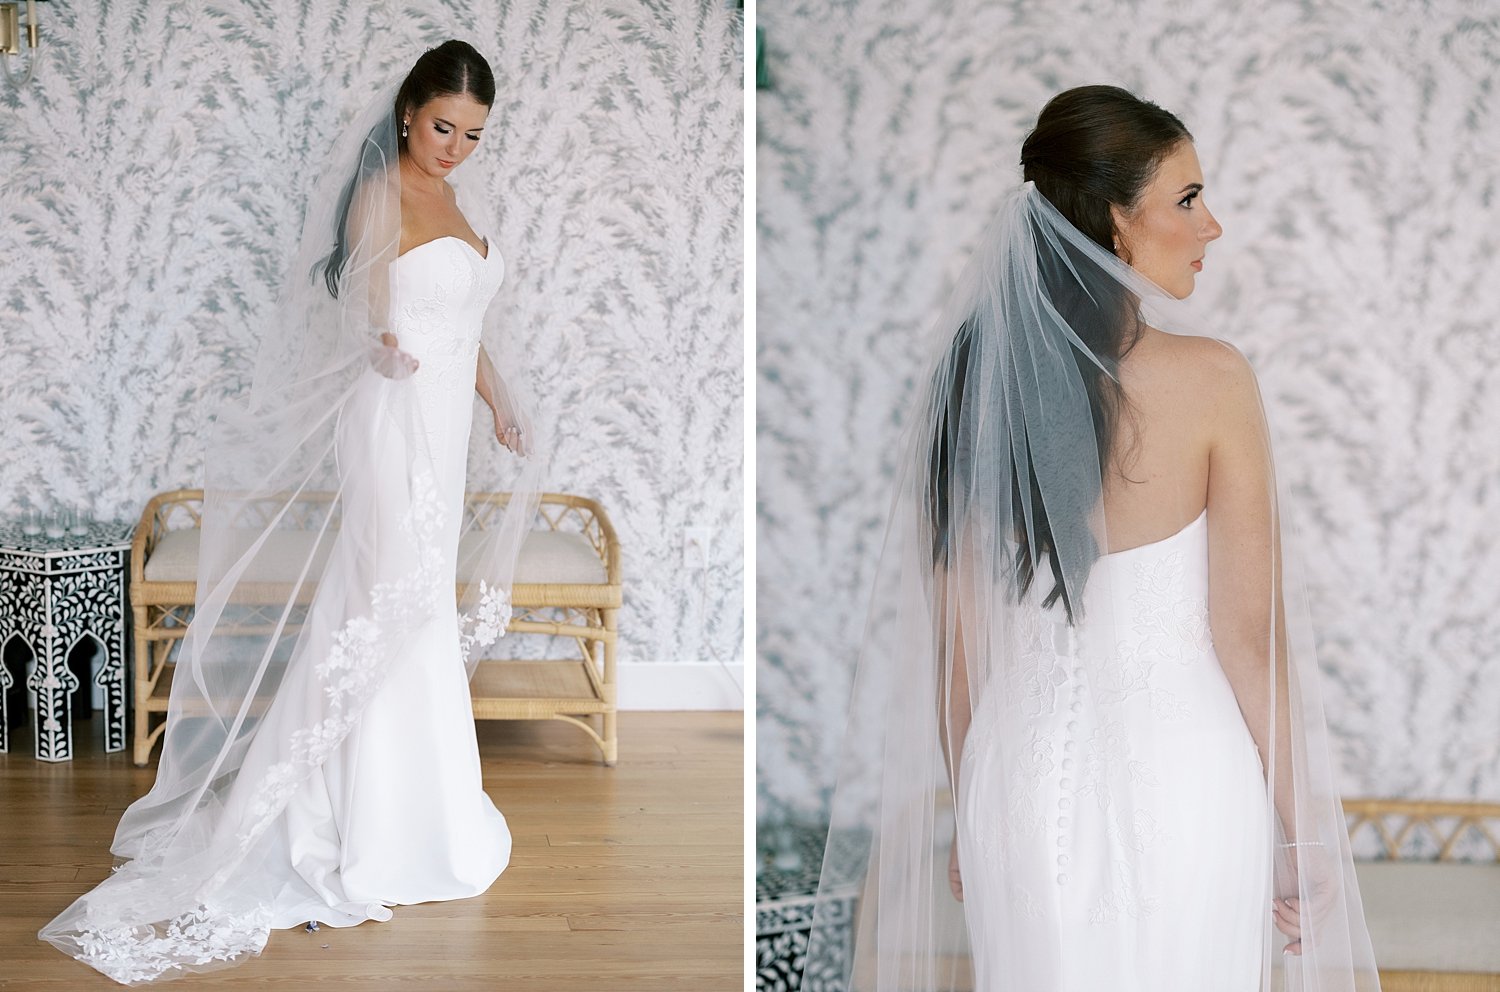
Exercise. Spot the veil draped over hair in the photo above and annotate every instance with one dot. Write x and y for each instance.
(317, 560)
(994, 605)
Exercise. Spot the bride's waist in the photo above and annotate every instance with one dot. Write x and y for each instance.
(457, 344)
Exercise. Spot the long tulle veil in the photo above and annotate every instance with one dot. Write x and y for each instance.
(992, 552)
(315, 562)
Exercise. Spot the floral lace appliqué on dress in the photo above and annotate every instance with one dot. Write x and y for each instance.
(130, 955)
(488, 621)
(1169, 617)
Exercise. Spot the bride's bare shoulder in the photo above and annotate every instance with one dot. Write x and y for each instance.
(1224, 396)
(1203, 361)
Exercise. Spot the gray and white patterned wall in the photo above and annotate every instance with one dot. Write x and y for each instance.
(152, 182)
(1352, 154)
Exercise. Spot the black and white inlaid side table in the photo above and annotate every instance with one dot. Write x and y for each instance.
(55, 591)
(788, 865)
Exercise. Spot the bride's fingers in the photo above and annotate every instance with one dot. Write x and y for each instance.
(511, 439)
(1288, 919)
(391, 362)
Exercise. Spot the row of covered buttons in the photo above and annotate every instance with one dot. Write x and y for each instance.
(1065, 802)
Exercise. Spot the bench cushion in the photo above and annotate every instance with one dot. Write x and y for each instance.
(1431, 916)
(559, 557)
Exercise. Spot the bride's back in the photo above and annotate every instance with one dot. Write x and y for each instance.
(1164, 436)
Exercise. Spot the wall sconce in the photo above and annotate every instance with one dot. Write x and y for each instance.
(10, 40)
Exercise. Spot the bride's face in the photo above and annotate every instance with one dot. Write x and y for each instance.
(1164, 238)
(443, 131)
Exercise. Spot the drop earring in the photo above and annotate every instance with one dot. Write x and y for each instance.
(403, 129)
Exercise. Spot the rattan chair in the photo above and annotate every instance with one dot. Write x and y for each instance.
(567, 585)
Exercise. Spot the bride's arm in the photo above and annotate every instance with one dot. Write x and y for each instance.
(510, 418)
(373, 232)
(1246, 614)
(953, 680)
(953, 695)
(484, 375)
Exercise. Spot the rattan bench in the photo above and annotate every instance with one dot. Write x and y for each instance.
(1434, 920)
(567, 585)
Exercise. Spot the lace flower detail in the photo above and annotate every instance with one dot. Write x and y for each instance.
(276, 787)
(1125, 898)
(1035, 760)
(1128, 672)
(490, 618)
(424, 315)
(1108, 757)
(348, 663)
(1175, 620)
(1024, 812)
(1025, 903)
(1039, 671)
(141, 954)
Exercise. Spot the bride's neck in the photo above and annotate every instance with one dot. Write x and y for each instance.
(415, 181)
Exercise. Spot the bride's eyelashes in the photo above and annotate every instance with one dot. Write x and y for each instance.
(448, 130)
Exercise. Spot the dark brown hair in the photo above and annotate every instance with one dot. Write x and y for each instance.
(1092, 147)
(1097, 146)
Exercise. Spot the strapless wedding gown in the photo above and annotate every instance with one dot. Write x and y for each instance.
(1114, 829)
(396, 812)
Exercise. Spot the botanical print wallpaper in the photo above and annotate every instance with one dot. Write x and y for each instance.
(152, 184)
(1350, 152)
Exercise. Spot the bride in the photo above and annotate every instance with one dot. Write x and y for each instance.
(319, 762)
(1086, 579)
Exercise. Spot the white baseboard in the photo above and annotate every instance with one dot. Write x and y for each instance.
(645, 685)
(680, 685)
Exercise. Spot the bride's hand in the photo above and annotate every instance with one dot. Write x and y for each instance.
(509, 435)
(955, 880)
(1287, 914)
(1313, 864)
(389, 360)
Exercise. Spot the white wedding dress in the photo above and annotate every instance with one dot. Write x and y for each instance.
(398, 814)
(1113, 816)
(381, 802)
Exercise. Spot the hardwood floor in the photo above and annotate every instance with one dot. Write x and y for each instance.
(625, 878)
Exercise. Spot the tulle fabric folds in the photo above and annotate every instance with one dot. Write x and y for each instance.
(1017, 690)
(317, 559)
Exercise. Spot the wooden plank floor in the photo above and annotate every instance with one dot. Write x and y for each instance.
(620, 878)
